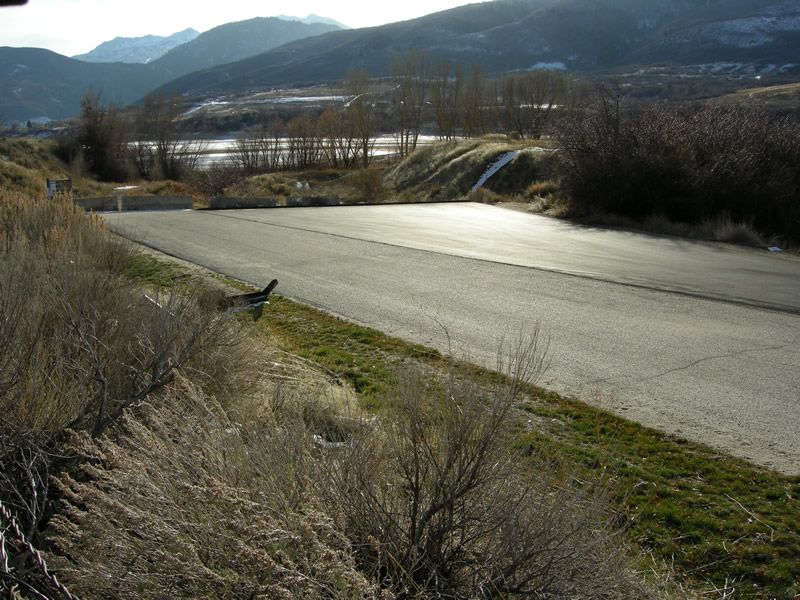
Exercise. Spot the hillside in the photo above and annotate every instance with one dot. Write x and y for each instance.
(39, 83)
(701, 38)
(739, 36)
(235, 41)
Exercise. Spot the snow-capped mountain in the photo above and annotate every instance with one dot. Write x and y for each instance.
(138, 49)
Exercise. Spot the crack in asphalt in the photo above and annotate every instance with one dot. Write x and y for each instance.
(694, 363)
(729, 355)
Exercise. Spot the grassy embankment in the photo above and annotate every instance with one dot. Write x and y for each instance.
(702, 518)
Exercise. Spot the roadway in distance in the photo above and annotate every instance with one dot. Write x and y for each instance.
(697, 339)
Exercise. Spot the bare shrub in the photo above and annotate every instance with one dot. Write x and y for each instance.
(368, 184)
(438, 503)
(724, 229)
(215, 179)
(689, 163)
(485, 196)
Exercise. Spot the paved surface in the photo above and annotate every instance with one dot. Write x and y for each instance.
(697, 339)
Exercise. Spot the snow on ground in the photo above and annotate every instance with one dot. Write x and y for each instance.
(495, 167)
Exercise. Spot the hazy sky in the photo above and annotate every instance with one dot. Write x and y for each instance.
(72, 27)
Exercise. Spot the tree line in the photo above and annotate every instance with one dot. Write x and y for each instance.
(446, 99)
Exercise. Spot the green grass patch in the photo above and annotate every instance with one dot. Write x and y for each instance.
(719, 518)
(153, 272)
(364, 357)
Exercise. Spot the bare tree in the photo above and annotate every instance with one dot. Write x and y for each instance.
(303, 150)
(250, 150)
(542, 91)
(472, 117)
(446, 98)
(162, 151)
(338, 139)
(361, 109)
(511, 114)
(410, 80)
(101, 137)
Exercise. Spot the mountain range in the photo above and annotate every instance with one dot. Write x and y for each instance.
(589, 36)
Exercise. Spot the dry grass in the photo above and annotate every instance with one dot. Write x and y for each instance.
(83, 345)
(542, 189)
(485, 196)
(449, 168)
(203, 506)
(725, 229)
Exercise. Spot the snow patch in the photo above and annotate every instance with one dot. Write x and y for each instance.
(748, 32)
(495, 167)
(551, 66)
(18, 69)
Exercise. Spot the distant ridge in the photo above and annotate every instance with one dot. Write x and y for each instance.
(40, 85)
(142, 49)
(312, 18)
(235, 41)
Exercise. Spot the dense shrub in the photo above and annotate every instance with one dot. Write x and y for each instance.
(690, 163)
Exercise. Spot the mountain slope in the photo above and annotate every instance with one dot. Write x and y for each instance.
(581, 35)
(330, 56)
(596, 36)
(37, 83)
(139, 49)
(235, 41)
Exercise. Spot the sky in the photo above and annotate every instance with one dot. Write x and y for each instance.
(72, 27)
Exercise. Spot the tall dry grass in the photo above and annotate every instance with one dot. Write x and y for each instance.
(202, 506)
(82, 344)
